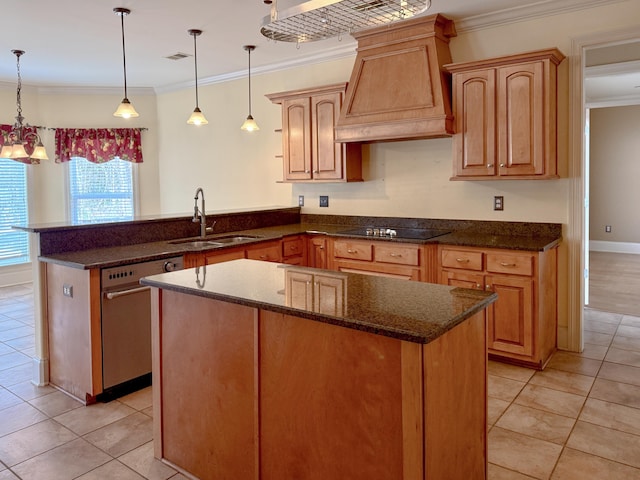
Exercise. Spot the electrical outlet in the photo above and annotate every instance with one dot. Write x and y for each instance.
(67, 290)
(324, 200)
(607, 228)
(301, 200)
(498, 202)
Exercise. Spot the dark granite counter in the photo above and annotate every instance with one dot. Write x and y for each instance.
(413, 311)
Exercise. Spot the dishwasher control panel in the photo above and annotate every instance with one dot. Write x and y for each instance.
(132, 273)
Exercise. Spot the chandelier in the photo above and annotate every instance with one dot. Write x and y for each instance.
(16, 140)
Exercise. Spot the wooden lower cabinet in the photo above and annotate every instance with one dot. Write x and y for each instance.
(522, 323)
(74, 331)
(250, 393)
(317, 251)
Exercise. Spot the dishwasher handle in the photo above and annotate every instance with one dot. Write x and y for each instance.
(122, 293)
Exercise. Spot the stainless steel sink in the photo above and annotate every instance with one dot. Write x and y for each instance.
(234, 238)
(214, 242)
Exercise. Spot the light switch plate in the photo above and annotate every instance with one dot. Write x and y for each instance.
(67, 290)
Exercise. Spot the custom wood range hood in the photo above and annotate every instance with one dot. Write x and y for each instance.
(398, 89)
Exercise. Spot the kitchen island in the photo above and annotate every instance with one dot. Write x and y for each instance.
(273, 371)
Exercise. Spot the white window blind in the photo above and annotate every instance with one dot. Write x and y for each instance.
(100, 192)
(14, 244)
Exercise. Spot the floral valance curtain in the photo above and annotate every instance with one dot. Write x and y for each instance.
(98, 145)
(29, 140)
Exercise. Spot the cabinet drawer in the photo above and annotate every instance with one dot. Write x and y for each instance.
(353, 249)
(402, 255)
(292, 247)
(465, 259)
(269, 253)
(512, 263)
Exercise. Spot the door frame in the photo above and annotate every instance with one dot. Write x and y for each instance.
(577, 236)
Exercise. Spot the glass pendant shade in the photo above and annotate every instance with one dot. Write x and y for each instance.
(125, 110)
(19, 151)
(197, 118)
(39, 152)
(250, 125)
(7, 151)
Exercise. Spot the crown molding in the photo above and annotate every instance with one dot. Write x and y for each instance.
(540, 9)
(77, 90)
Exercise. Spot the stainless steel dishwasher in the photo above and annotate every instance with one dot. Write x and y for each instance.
(126, 326)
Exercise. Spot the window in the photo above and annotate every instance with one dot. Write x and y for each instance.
(101, 192)
(14, 244)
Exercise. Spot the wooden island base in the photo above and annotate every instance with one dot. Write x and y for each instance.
(245, 393)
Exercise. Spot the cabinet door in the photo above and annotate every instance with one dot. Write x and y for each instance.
(296, 139)
(521, 139)
(329, 294)
(317, 249)
(510, 318)
(474, 104)
(326, 154)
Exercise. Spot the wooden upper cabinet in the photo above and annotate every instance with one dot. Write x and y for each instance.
(309, 149)
(506, 117)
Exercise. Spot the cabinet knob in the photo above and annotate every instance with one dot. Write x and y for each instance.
(321, 247)
(478, 285)
(490, 165)
(502, 165)
(307, 171)
(487, 287)
(316, 171)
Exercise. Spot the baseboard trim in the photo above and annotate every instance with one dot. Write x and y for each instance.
(614, 247)
(16, 275)
(40, 372)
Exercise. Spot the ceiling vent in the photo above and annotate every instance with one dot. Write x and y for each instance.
(178, 56)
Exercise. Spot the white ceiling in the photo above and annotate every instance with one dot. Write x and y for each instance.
(77, 43)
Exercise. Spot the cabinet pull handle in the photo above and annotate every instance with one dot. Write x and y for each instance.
(351, 251)
(505, 264)
(399, 255)
(462, 260)
(264, 256)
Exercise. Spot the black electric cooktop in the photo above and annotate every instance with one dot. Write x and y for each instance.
(401, 233)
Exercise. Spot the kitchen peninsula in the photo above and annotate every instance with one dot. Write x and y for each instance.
(272, 371)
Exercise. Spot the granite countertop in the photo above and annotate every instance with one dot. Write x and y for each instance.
(114, 256)
(412, 311)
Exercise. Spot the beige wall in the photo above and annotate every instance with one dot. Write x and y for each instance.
(615, 174)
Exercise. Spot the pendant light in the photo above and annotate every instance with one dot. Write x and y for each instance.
(250, 124)
(13, 146)
(125, 109)
(197, 117)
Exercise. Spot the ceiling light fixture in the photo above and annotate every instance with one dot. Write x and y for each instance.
(14, 144)
(250, 124)
(197, 117)
(125, 109)
(320, 19)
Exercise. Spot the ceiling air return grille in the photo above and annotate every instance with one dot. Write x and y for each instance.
(320, 19)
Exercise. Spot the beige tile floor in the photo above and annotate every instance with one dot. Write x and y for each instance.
(578, 419)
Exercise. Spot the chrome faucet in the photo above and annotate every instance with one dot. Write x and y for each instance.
(199, 214)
